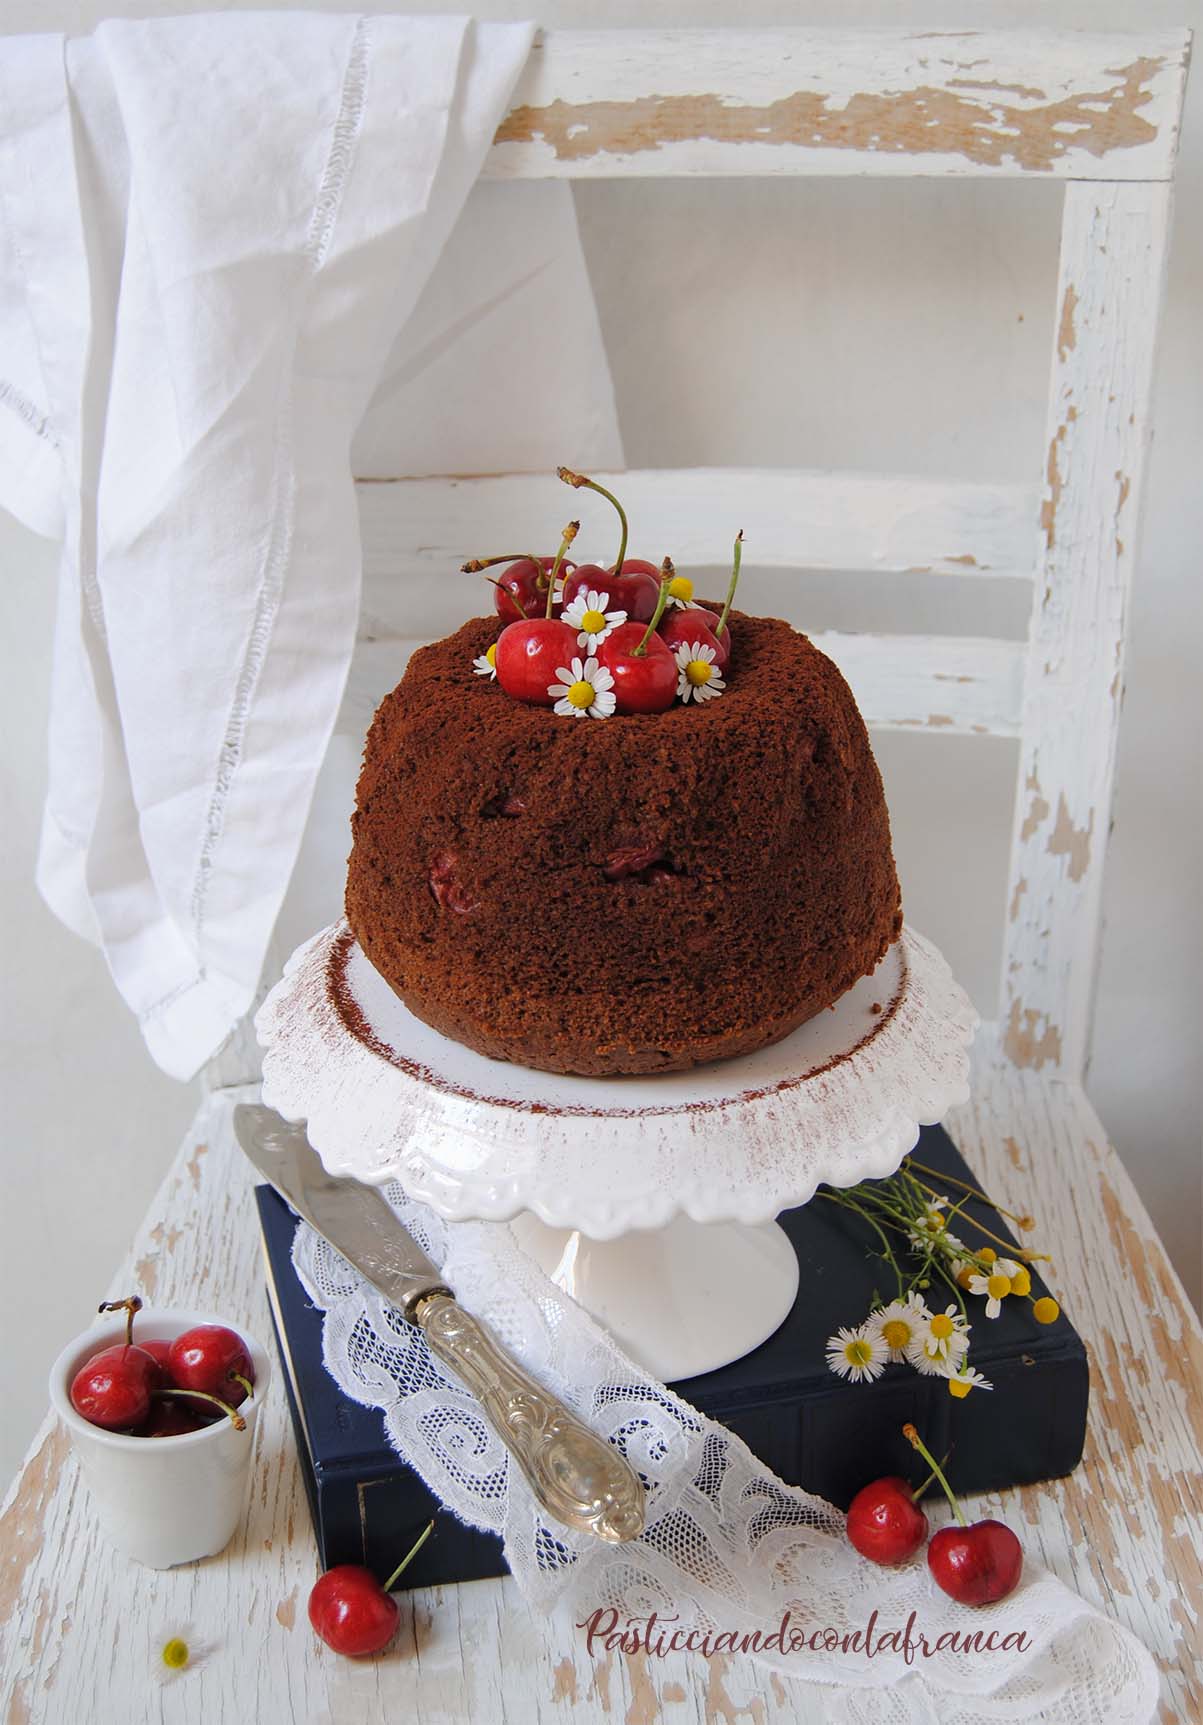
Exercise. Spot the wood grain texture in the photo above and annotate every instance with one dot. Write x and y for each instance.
(893, 523)
(1108, 297)
(717, 102)
(80, 1627)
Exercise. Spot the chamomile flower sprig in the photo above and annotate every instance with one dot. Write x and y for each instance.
(913, 1222)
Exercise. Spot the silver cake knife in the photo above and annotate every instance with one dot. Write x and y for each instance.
(577, 1477)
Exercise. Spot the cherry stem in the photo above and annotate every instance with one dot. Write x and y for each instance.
(937, 1472)
(405, 1562)
(666, 574)
(477, 564)
(236, 1418)
(918, 1491)
(738, 554)
(570, 533)
(248, 1386)
(577, 480)
(510, 596)
(129, 1307)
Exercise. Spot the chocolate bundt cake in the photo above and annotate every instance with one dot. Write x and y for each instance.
(635, 895)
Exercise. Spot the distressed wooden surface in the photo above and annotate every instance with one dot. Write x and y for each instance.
(1108, 297)
(894, 523)
(1072, 104)
(81, 1627)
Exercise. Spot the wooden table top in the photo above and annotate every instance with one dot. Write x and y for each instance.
(81, 1626)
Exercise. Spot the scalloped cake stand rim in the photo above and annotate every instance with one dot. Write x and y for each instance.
(385, 1097)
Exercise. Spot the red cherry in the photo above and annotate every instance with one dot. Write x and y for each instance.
(530, 656)
(160, 1353)
(351, 1611)
(173, 1419)
(525, 581)
(885, 1524)
(212, 1359)
(113, 1388)
(643, 684)
(682, 626)
(976, 1564)
(635, 591)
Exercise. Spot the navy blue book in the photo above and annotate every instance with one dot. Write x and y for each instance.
(809, 1426)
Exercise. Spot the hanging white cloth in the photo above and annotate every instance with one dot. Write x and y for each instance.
(215, 237)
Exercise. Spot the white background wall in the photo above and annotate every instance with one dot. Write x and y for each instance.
(903, 326)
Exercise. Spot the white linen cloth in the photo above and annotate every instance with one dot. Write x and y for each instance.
(214, 230)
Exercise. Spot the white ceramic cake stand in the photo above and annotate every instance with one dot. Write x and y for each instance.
(650, 1200)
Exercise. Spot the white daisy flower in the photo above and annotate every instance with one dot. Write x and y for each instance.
(485, 664)
(587, 614)
(997, 1285)
(943, 1338)
(963, 1378)
(900, 1323)
(697, 674)
(585, 690)
(680, 591)
(859, 1355)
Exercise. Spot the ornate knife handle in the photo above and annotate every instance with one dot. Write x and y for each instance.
(576, 1476)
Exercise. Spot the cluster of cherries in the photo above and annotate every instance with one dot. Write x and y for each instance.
(640, 653)
(975, 1563)
(164, 1389)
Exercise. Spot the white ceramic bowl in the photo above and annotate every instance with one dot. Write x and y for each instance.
(164, 1500)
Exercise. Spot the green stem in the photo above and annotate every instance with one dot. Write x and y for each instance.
(919, 1490)
(887, 1253)
(577, 480)
(405, 1562)
(248, 1386)
(510, 596)
(973, 1191)
(738, 554)
(236, 1419)
(666, 574)
(570, 533)
(909, 1432)
(129, 1307)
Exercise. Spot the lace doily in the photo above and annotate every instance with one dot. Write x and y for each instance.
(728, 1546)
(385, 1097)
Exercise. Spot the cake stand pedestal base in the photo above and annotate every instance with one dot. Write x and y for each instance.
(682, 1299)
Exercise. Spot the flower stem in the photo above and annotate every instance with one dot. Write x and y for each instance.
(737, 556)
(570, 533)
(973, 1191)
(666, 575)
(129, 1307)
(937, 1472)
(887, 1251)
(577, 480)
(405, 1562)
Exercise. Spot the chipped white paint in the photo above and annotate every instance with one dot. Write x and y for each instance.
(890, 523)
(1073, 104)
(1108, 297)
(933, 682)
(79, 1628)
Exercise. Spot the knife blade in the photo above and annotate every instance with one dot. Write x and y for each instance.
(576, 1477)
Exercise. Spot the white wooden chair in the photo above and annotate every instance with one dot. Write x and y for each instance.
(1100, 114)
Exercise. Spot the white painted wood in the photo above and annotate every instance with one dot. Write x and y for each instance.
(894, 524)
(1113, 255)
(933, 682)
(714, 102)
(80, 1627)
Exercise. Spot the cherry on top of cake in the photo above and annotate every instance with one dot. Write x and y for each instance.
(589, 642)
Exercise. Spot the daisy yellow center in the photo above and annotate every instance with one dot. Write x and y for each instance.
(680, 587)
(959, 1387)
(1046, 1311)
(858, 1353)
(698, 672)
(997, 1286)
(592, 622)
(1021, 1283)
(581, 694)
(941, 1326)
(987, 1254)
(491, 655)
(175, 1653)
(896, 1333)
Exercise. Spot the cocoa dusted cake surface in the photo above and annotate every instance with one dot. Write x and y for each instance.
(634, 894)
